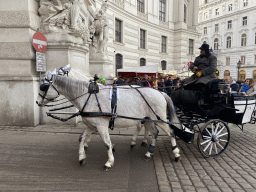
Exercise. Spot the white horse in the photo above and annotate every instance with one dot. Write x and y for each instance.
(130, 103)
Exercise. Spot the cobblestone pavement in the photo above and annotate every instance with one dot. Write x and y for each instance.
(234, 170)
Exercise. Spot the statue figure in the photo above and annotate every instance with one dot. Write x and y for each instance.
(64, 16)
(100, 29)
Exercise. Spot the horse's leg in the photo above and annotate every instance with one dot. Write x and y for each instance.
(103, 131)
(169, 131)
(134, 138)
(82, 144)
(146, 136)
(154, 131)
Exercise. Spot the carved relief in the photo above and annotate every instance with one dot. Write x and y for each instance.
(66, 16)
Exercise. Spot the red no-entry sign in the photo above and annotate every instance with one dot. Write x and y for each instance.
(39, 42)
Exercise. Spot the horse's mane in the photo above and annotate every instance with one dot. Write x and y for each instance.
(70, 85)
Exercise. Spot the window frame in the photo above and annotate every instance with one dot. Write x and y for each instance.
(244, 20)
(229, 41)
(143, 62)
(118, 65)
(217, 11)
(163, 44)
(163, 65)
(142, 39)
(230, 24)
(217, 27)
(230, 7)
(243, 40)
(118, 31)
(205, 30)
(245, 3)
(216, 44)
(162, 10)
(141, 6)
(191, 47)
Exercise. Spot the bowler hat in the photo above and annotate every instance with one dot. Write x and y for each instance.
(204, 47)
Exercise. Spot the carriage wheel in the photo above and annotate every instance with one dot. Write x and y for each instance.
(214, 138)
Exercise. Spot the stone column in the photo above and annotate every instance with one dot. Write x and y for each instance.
(195, 13)
(181, 10)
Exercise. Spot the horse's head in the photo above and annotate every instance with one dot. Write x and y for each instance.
(48, 92)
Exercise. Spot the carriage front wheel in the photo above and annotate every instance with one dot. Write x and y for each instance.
(213, 138)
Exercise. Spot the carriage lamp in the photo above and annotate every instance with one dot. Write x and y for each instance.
(238, 67)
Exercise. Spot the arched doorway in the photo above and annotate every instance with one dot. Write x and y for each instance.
(242, 75)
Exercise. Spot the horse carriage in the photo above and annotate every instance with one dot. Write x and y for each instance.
(102, 107)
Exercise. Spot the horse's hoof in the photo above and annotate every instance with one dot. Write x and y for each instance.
(177, 159)
(146, 158)
(113, 150)
(132, 146)
(106, 168)
(82, 162)
(144, 144)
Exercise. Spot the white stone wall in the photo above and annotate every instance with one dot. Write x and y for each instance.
(177, 32)
(236, 50)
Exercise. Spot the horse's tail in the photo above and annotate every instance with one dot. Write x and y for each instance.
(171, 111)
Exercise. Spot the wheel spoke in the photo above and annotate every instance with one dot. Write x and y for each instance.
(220, 145)
(207, 146)
(223, 134)
(205, 142)
(212, 129)
(210, 152)
(208, 132)
(207, 137)
(216, 128)
(220, 130)
(223, 140)
(216, 150)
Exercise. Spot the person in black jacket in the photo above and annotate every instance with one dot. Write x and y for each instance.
(168, 85)
(146, 82)
(161, 85)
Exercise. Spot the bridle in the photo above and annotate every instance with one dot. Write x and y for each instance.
(45, 87)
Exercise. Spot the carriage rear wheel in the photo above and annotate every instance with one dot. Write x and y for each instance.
(214, 138)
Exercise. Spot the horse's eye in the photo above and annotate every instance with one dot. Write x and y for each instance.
(44, 87)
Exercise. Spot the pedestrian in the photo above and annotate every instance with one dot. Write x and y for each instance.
(146, 82)
(168, 85)
(120, 81)
(161, 85)
(137, 81)
(114, 80)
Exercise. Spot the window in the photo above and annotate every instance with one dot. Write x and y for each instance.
(162, 5)
(243, 60)
(217, 11)
(216, 43)
(118, 31)
(163, 65)
(227, 60)
(245, 20)
(216, 27)
(206, 15)
(205, 1)
(245, 3)
(228, 42)
(119, 62)
(142, 39)
(185, 13)
(230, 24)
(242, 75)
(142, 62)
(230, 7)
(243, 40)
(140, 5)
(226, 74)
(254, 75)
(163, 44)
(205, 30)
(191, 46)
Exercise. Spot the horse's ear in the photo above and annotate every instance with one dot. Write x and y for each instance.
(44, 87)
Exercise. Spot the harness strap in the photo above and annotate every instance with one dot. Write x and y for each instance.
(113, 107)
(148, 104)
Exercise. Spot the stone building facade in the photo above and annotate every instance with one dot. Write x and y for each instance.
(230, 29)
(140, 32)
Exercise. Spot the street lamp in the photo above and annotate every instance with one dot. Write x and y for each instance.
(238, 67)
